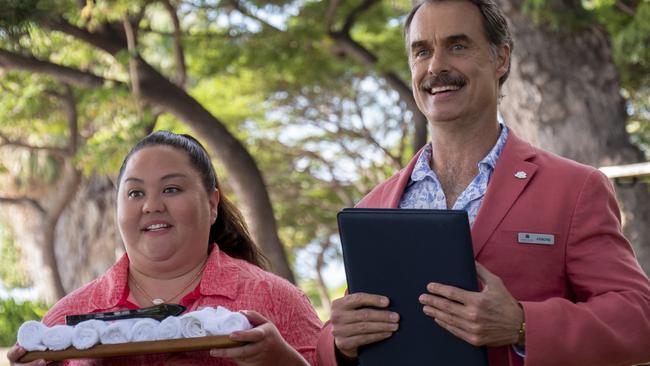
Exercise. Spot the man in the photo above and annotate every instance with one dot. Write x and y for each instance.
(560, 284)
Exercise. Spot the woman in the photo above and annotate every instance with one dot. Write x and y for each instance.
(187, 244)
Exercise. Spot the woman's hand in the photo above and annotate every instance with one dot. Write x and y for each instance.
(265, 345)
(16, 352)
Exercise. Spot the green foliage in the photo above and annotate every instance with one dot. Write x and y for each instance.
(632, 49)
(12, 273)
(13, 314)
(558, 15)
(322, 127)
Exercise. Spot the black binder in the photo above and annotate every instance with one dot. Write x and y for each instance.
(396, 253)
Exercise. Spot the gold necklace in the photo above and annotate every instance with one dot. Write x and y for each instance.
(158, 301)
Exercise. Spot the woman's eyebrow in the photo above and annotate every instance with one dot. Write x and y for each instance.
(164, 177)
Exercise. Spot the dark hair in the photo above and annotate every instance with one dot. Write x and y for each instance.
(229, 230)
(495, 26)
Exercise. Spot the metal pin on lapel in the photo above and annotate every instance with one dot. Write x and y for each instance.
(521, 175)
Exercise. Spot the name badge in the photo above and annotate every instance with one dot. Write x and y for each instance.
(532, 238)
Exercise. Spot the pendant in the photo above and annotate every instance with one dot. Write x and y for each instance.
(157, 301)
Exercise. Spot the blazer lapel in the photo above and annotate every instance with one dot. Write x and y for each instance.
(511, 175)
(394, 194)
(391, 191)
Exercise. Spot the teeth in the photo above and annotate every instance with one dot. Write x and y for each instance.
(443, 88)
(157, 226)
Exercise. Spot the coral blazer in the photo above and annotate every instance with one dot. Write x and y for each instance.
(586, 299)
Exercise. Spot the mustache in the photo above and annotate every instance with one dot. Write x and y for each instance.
(444, 78)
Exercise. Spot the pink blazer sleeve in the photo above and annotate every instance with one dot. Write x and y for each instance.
(609, 321)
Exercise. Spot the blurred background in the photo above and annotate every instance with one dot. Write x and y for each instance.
(304, 105)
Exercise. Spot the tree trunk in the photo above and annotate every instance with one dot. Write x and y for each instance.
(88, 228)
(563, 95)
(320, 281)
(35, 233)
(27, 226)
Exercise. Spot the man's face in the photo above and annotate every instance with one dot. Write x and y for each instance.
(454, 74)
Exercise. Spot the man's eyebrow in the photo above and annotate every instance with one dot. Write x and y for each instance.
(417, 44)
(461, 37)
(457, 38)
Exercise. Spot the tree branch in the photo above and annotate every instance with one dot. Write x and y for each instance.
(349, 47)
(70, 106)
(6, 141)
(620, 5)
(131, 41)
(330, 13)
(10, 60)
(336, 184)
(367, 135)
(237, 5)
(108, 36)
(181, 70)
(23, 201)
(354, 14)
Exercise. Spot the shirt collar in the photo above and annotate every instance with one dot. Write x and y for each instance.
(220, 277)
(423, 169)
(490, 160)
(111, 287)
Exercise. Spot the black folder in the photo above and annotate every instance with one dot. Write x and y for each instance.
(396, 253)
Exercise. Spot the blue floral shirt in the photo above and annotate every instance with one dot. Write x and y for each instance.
(424, 190)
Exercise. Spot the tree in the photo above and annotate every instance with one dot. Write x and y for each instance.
(344, 139)
(566, 97)
(317, 92)
(114, 29)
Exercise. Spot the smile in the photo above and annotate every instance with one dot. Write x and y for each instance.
(157, 227)
(442, 89)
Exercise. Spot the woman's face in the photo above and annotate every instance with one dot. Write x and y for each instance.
(164, 212)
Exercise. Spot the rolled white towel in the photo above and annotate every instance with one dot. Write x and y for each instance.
(84, 337)
(30, 335)
(199, 323)
(230, 321)
(169, 328)
(144, 330)
(96, 324)
(117, 332)
(58, 338)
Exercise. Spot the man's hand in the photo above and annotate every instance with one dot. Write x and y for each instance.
(488, 318)
(265, 345)
(355, 323)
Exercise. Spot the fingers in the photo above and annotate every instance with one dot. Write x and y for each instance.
(257, 334)
(360, 299)
(16, 352)
(363, 328)
(238, 353)
(349, 345)
(450, 292)
(358, 319)
(254, 317)
(447, 306)
(363, 315)
(459, 320)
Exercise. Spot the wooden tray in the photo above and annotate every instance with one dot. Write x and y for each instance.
(134, 348)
